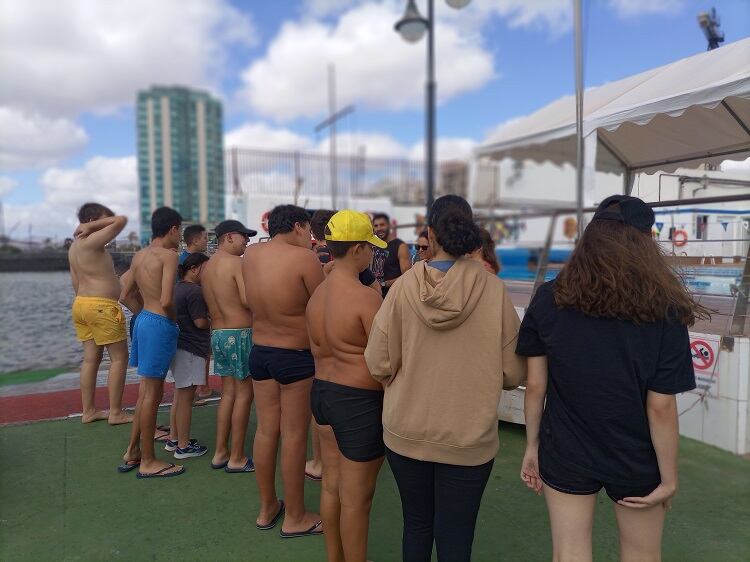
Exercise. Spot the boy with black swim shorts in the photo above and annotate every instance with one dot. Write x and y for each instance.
(346, 401)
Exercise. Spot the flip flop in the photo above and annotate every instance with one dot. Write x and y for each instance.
(311, 532)
(128, 466)
(249, 467)
(312, 477)
(271, 524)
(220, 465)
(163, 472)
(162, 438)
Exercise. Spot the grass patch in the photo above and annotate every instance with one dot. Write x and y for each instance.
(25, 377)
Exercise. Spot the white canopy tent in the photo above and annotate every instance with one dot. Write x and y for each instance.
(691, 111)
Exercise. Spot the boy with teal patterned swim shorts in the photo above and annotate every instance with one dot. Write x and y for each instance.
(231, 348)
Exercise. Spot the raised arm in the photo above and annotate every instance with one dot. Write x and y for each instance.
(168, 279)
(99, 233)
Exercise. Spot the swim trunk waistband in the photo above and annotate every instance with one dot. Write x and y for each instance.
(285, 366)
(355, 416)
(154, 317)
(97, 300)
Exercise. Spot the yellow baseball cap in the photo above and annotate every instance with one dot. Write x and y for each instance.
(352, 226)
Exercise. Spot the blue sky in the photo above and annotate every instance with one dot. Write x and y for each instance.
(502, 59)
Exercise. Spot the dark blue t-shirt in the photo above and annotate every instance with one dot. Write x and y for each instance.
(600, 371)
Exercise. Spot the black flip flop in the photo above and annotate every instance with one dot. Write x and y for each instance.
(249, 467)
(163, 472)
(271, 524)
(220, 465)
(311, 476)
(128, 466)
(311, 532)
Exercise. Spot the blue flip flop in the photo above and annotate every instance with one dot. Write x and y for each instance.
(271, 524)
(311, 532)
(128, 466)
(163, 472)
(249, 467)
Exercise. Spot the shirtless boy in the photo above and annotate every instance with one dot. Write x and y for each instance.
(231, 340)
(97, 316)
(346, 401)
(280, 276)
(153, 271)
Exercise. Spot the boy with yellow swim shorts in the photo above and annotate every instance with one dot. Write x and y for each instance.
(98, 319)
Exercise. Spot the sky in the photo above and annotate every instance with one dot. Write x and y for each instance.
(71, 71)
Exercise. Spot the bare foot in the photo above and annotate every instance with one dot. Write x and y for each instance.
(266, 515)
(117, 418)
(308, 521)
(132, 456)
(314, 468)
(156, 465)
(98, 415)
(219, 459)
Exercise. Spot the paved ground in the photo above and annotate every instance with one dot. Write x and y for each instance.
(61, 499)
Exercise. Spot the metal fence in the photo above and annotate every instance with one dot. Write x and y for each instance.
(345, 177)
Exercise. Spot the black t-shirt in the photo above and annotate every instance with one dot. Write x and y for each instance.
(324, 255)
(189, 305)
(385, 264)
(600, 371)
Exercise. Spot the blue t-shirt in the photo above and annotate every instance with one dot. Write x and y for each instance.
(442, 265)
(183, 255)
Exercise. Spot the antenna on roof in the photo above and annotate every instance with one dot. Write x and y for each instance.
(710, 23)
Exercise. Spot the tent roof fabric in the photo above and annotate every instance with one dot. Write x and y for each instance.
(687, 112)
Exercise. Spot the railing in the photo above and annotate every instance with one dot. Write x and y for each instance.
(741, 290)
(356, 175)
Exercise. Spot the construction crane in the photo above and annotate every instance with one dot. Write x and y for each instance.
(709, 22)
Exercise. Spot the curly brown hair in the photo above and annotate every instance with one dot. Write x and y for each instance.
(617, 271)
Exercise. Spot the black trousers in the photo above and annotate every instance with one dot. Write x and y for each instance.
(440, 503)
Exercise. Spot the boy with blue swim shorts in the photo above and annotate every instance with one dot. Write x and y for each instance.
(153, 271)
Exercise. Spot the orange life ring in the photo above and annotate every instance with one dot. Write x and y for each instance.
(679, 238)
(264, 221)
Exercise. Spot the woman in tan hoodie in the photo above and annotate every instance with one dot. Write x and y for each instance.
(443, 346)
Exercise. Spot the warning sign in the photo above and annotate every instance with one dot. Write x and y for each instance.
(704, 350)
(703, 355)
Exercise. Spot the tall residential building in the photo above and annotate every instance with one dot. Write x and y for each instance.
(180, 155)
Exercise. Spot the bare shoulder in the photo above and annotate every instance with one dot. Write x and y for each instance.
(367, 297)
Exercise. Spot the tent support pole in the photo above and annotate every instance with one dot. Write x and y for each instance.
(627, 181)
(736, 117)
(579, 113)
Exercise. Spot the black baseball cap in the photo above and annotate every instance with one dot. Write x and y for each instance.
(632, 211)
(225, 227)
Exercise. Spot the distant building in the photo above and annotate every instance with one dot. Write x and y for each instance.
(180, 155)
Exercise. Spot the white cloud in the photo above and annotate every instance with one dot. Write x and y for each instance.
(630, 8)
(110, 181)
(375, 68)
(63, 58)
(31, 140)
(264, 137)
(320, 8)
(376, 145)
(7, 185)
(447, 148)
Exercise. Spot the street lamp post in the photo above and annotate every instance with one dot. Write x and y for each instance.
(412, 27)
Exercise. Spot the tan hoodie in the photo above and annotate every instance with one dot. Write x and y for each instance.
(443, 345)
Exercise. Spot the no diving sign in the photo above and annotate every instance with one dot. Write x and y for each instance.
(703, 355)
(704, 351)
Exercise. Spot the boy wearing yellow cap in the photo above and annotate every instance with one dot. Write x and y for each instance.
(346, 401)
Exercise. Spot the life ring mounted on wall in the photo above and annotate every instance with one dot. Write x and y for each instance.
(679, 238)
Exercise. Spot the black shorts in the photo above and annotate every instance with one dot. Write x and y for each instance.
(354, 414)
(569, 481)
(285, 366)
